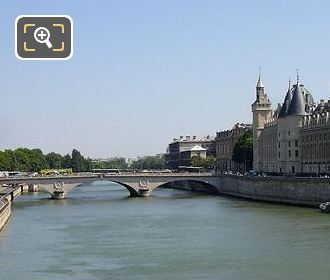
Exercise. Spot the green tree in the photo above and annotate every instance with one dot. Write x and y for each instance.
(37, 160)
(54, 160)
(116, 163)
(5, 161)
(243, 151)
(13, 163)
(66, 161)
(76, 161)
(207, 163)
(23, 159)
(149, 162)
(87, 165)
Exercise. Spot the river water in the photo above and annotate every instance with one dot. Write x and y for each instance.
(100, 233)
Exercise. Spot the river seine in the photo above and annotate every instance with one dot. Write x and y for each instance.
(100, 233)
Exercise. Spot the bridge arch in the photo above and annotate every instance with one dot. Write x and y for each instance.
(131, 190)
(191, 185)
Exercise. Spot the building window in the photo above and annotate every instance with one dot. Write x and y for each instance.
(296, 153)
(279, 144)
(289, 153)
(279, 154)
(289, 133)
(292, 168)
(296, 143)
(289, 144)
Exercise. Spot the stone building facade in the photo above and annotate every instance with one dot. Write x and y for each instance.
(315, 140)
(293, 139)
(180, 151)
(224, 144)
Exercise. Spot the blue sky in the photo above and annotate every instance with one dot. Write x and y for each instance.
(144, 72)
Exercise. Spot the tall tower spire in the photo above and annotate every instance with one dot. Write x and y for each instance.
(260, 84)
(260, 89)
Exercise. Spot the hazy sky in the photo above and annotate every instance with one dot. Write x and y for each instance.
(144, 72)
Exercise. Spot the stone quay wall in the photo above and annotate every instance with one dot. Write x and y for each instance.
(289, 190)
(5, 211)
(5, 202)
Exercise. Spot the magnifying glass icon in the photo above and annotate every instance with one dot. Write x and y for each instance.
(42, 35)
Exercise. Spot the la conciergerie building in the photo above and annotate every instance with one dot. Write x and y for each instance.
(294, 138)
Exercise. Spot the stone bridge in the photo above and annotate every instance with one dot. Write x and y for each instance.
(137, 184)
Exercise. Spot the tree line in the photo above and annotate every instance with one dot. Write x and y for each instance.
(116, 163)
(148, 162)
(34, 160)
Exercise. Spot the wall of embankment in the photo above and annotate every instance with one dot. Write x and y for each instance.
(5, 203)
(5, 211)
(289, 190)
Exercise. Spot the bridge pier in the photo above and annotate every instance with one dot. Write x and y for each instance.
(144, 192)
(33, 188)
(58, 190)
(58, 195)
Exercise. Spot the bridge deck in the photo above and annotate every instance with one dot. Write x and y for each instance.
(94, 177)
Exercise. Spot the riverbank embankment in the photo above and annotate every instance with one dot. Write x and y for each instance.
(7, 195)
(306, 191)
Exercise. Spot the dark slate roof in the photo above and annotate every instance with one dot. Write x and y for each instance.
(286, 104)
(297, 105)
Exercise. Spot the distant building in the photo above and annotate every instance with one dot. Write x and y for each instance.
(225, 142)
(196, 151)
(180, 151)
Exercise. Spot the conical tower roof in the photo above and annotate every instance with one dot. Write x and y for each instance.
(286, 103)
(297, 105)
